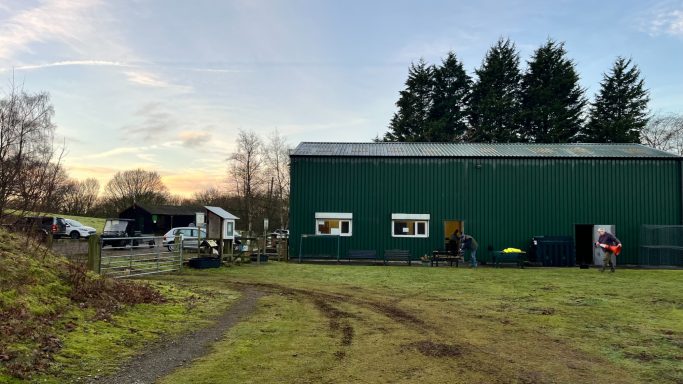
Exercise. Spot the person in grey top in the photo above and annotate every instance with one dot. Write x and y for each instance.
(469, 242)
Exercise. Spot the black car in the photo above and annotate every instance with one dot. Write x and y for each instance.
(43, 226)
(121, 232)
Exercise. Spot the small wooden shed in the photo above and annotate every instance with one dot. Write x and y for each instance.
(220, 225)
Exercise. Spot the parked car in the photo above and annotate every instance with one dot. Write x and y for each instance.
(117, 231)
(76, 230)
(43, 226)
(189, 235)
(280, 233)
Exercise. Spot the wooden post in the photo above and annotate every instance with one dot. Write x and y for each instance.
(94, 253)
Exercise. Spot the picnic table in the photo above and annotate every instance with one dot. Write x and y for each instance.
(448, 256)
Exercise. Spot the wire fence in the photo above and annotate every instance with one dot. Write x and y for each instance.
(661, 245)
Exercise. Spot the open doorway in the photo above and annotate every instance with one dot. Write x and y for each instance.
(583, 236)
(450, 226)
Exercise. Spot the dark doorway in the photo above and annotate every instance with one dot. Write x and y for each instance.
(584, 244)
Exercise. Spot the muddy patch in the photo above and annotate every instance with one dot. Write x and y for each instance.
(542, 311)
(389, 310)
(432, 349)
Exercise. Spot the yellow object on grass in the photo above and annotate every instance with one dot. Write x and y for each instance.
(512, 250)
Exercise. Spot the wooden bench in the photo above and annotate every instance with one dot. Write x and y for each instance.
(516, 257)
(397, 255)
(358, 254)
(445, 256)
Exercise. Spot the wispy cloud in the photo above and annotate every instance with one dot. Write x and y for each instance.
(117, 152)
(81, 29)
(665, 19)
(193, 138)
(146, 79)
(154, 121)
(52, 20)
(67, 63)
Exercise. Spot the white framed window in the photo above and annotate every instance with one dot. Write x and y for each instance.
(334, 223)
(409, 225)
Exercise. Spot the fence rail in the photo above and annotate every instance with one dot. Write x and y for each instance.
(139, 256)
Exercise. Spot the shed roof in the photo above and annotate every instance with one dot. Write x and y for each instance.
(222, 213)
(171, 210)
(306, 149)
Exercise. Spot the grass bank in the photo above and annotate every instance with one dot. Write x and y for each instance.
(60, 324)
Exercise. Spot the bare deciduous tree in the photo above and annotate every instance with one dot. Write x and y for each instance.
(29, 164)
(664, 132)
(80, 196)
(135, 186)
(246, 169)
(277, 161)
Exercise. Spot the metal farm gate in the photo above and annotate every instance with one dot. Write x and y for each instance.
(132, 257)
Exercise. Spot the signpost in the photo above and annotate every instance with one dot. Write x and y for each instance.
(265, 230)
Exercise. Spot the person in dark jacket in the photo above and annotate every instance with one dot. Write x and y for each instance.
(454, 243)
(607, 254)
(468, 242)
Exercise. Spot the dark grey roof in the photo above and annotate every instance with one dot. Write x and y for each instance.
(477, 150)
(170, 210)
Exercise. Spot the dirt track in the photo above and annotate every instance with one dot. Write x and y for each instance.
(164, 357)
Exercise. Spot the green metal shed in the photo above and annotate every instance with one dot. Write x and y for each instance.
(379, 196)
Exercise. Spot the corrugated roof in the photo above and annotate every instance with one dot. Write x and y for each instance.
(220, 212)
(478, 150)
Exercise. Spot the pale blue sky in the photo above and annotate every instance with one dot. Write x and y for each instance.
(165, 85)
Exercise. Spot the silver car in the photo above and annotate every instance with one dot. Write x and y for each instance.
(188, 235)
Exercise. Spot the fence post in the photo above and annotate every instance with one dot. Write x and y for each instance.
(158, 248)
(94, 253)
(178, 241)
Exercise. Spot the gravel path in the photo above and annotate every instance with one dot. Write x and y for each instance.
(164, 357)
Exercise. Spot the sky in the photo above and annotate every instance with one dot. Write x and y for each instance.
(167, 85)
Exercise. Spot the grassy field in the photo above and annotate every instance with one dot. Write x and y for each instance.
(371, 324)
(95, 222)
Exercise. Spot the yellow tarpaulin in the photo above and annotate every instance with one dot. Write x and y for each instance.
(512, 250)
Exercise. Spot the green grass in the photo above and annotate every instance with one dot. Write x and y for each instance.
(96, 348)
(506, 325)
(35, 304)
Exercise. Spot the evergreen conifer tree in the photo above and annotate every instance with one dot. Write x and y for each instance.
(410, 122)
(448, 114)
(495, 98)
(619, 112)
(552, 100)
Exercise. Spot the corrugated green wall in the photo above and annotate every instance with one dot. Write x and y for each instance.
(504, 201)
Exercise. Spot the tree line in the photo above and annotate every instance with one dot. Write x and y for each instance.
(504, 104)
(256, 186)
(33, 179)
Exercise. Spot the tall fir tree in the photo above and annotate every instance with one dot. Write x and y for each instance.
(552, 100)
(448, 114)
(494, 112)
(619, 112)
(410, 122)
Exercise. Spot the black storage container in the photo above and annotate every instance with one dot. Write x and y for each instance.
(204, 262)
(553, 251)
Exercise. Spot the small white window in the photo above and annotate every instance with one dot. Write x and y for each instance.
(409, 225)
(333, 223)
